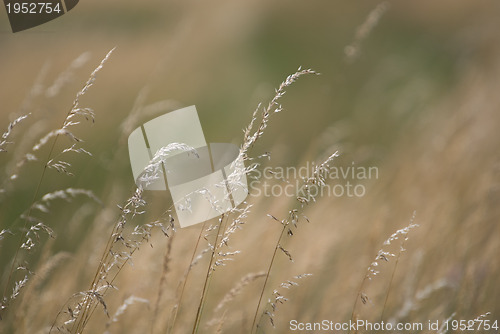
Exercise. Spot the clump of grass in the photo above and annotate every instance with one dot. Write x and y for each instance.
(114, 257)
(123, 243)
(32, 225)
(120, 248)
(226, 290)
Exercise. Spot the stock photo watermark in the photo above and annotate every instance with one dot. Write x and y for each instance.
(340, 181)
(25, 14)
(205, 180)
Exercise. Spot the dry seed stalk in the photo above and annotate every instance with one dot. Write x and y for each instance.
(381, 256)
(401, 250)
(317, 178)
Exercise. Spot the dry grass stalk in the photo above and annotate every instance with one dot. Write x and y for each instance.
(385, 256)
(317, 178)
(400, 251)
(123, 308)
(208, 277)
(353, 50)
(183, 281)
(163, 280)
(251, 134)
(5, 136)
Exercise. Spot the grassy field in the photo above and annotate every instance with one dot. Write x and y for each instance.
(406, 91)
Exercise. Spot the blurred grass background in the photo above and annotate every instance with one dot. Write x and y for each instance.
(419, 103)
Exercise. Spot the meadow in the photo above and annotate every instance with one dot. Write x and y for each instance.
(370, 138)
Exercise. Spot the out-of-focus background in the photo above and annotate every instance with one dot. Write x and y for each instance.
(410, 88)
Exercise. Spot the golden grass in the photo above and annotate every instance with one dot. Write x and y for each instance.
(122, 270)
